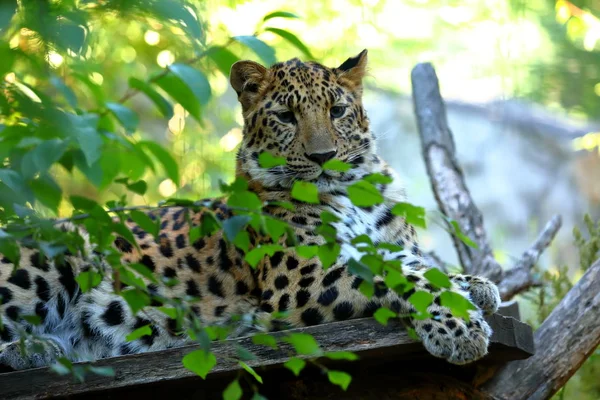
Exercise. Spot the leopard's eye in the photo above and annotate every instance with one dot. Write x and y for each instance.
(337, 111)
(287, 117)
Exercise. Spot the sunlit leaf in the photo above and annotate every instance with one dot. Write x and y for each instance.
(200, 362)
(382, 315)
(265, 339)
(303, 343)
(138, 333)
(163, 156)
(126, 117)
(145, 222)
(341, 355)
(265, 52)
(251, 371)
(296, 365)
(223, 58)
(232, 226)
(280, 14)
(88, 280)
(437, 278)
(336, 165)
(267, 160)
(161, 103)
(412, 214)
(340, 378)
(421, 301)
(293, 39)
(306, 192)
(459, 306)
(364, 194)
(233, 391)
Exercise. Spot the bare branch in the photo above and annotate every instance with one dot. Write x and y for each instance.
(447, 180)
(519, 278)
(563, 342)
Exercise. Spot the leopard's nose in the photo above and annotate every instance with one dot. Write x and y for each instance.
(321, 158)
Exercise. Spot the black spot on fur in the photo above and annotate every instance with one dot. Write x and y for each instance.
(86, 325)
(291, 263)
(328, 296)
(61, 305)
(148, 340)
(219, 310)
(43, 289)
(67, 277)
(370, 308)
(306, 282)
(281, 282)
(148, 262)
(302, 297)
(332, 276)
(40, 261)
(20, 278)
(311, 316)
(267, 294)
(123, 245)
(114, 314)
(13, 312)
(276, 259)
(385, 219)
(6, 334)
(241, 288)
(357, 281)
(180, 241)
(343, 311)
(284, 302)
(427, 327)
(266, 307)
(41, 310)
(192, 289)
(199, 244)
(308, 269)
(165, 246)
(225, 262)
(380, 289)
(459, 332)
(215, 287)
(169, 273)
(193, 263)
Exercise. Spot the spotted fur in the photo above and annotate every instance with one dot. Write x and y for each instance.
(308, 114)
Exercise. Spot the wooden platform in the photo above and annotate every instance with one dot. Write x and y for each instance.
(386, 352)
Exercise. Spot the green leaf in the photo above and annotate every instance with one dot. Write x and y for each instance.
(412, 214)
(138, 187)
(421, 301)
(145, 222)
(66, 91)
(367, 289)
(235, 225)
(41, 158)
(181, 93)
(200, 362)
(138, 333)
(32, 319)
(303, 343)
(293, 39)
(307, 251)
(265, 52)
(458, 305)
(280, 14)
(233, 391)
(254, 256)
(357, 268)
(161, 103)
(437, 278)
(267, 160)
(85, 131)
(126, 117)
(244, 200)
(378, 178)
(306, 192)
(11, 250)
(209, 224)
(242, 241)
(194, 79)
(136, 299)
(258, 396)
(364, 194)
(13, 180)
(47, 192)
(251, 371)
(163, 156)
(296, 365)
(336, 165)
(328, 254)
(342, 355)
(88, 280)
(82, 203)
(464, 238)
(382, 315)
(143, 271)
(102, 371)
(223, 58)
(265, 339)
(340, 378)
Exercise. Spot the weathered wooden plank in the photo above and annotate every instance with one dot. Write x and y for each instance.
(371, 341)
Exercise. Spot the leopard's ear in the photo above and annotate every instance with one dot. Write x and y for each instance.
(353, 70)
(245, 78)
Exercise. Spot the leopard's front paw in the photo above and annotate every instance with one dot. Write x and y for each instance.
(32, 353)
(451, 338)
(484, 293)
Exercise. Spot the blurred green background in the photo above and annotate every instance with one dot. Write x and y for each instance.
(68, 69)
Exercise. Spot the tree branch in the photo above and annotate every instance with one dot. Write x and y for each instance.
(519, 278)
(453, 197)
(563, 342)
(446, 176)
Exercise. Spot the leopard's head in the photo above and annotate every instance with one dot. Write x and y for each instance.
(308, 114)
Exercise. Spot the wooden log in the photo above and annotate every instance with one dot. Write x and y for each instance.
(564, 341)
(375, 344)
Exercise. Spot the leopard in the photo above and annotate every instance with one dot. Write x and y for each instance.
(307, 114)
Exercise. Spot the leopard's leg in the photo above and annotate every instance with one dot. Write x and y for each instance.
(314, 296)
(484, 293)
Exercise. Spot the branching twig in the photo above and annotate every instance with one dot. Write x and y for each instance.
(519, 278)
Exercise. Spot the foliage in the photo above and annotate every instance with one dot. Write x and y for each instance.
(584, 384)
